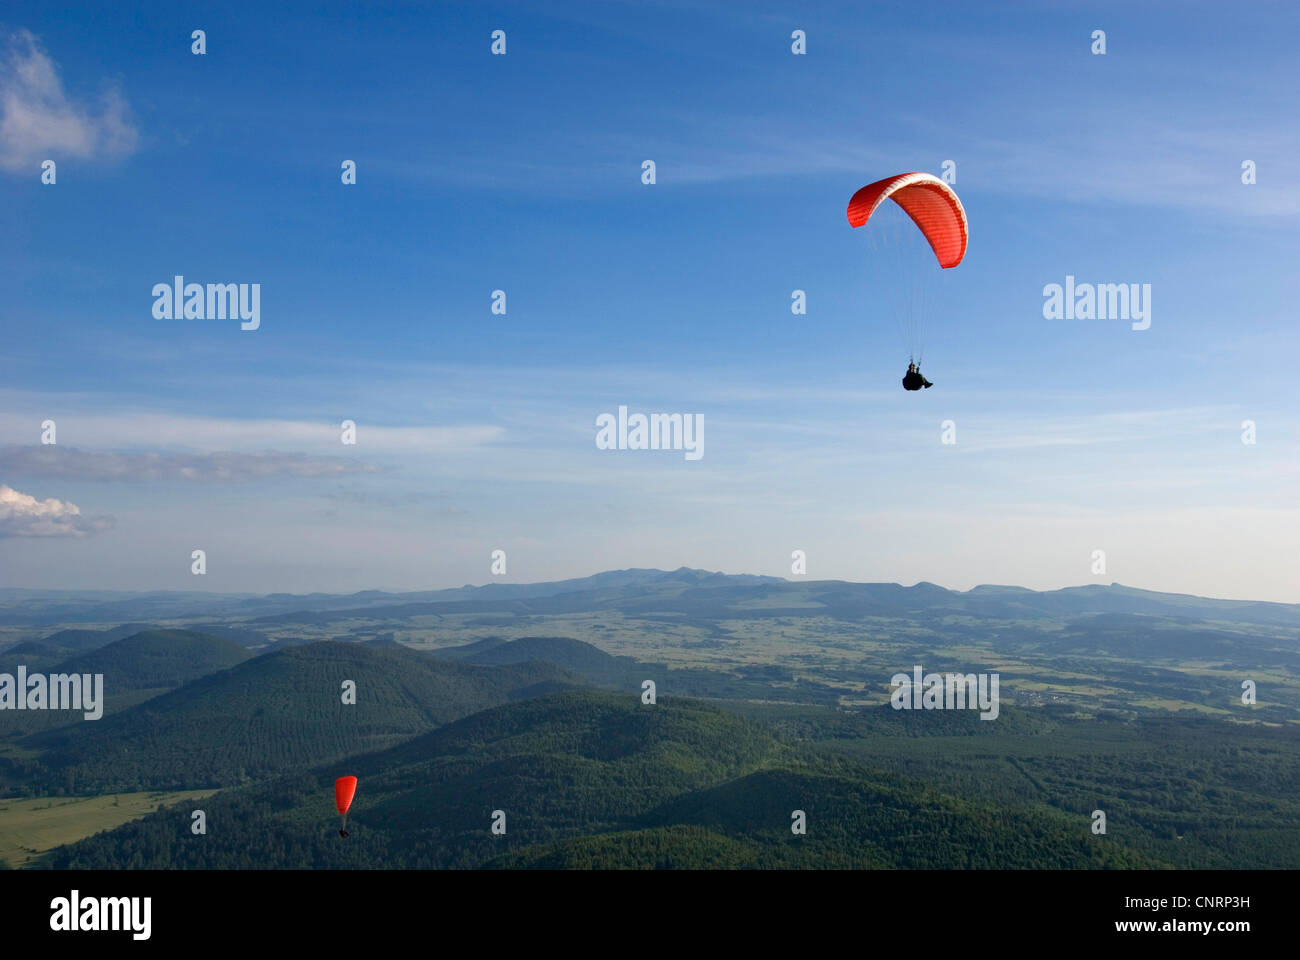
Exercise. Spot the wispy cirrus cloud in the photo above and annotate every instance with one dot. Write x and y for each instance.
(69, 463)
(22, 515)
(85, 425)
(1199, 170)
(38, 121)
(441, 499)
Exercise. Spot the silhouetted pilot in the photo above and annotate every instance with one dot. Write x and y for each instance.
(913, 380)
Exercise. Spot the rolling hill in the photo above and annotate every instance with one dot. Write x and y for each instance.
(276, 712)
(155, 659)
(81, 639)
(626, 673)
(135, 668)
(589, 779)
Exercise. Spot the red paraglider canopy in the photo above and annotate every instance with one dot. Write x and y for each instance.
(344, 788)
(932, 205)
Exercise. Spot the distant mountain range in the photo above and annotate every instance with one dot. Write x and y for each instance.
(683, 591)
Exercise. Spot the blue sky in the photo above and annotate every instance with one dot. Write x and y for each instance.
(522, 172)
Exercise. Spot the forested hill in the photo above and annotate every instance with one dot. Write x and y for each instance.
(584, 778)
(276, 712)
(156, 658)
(134, 669)
(600, 669)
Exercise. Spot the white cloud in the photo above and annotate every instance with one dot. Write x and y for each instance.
(70, 463)
(38, 121)
(81, 427)
(22, 515)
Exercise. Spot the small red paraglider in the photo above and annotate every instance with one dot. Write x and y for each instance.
(344, 789)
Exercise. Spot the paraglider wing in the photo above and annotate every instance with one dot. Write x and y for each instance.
(344, 789)
(932, 205)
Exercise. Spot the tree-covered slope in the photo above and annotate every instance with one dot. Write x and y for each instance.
(276, 712)
(156, 658)
(591, 779)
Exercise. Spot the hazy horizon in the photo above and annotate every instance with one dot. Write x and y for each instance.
(511, 581)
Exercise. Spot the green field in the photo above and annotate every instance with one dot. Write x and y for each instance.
(29, 827)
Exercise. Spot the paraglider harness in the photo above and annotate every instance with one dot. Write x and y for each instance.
(912, 380)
